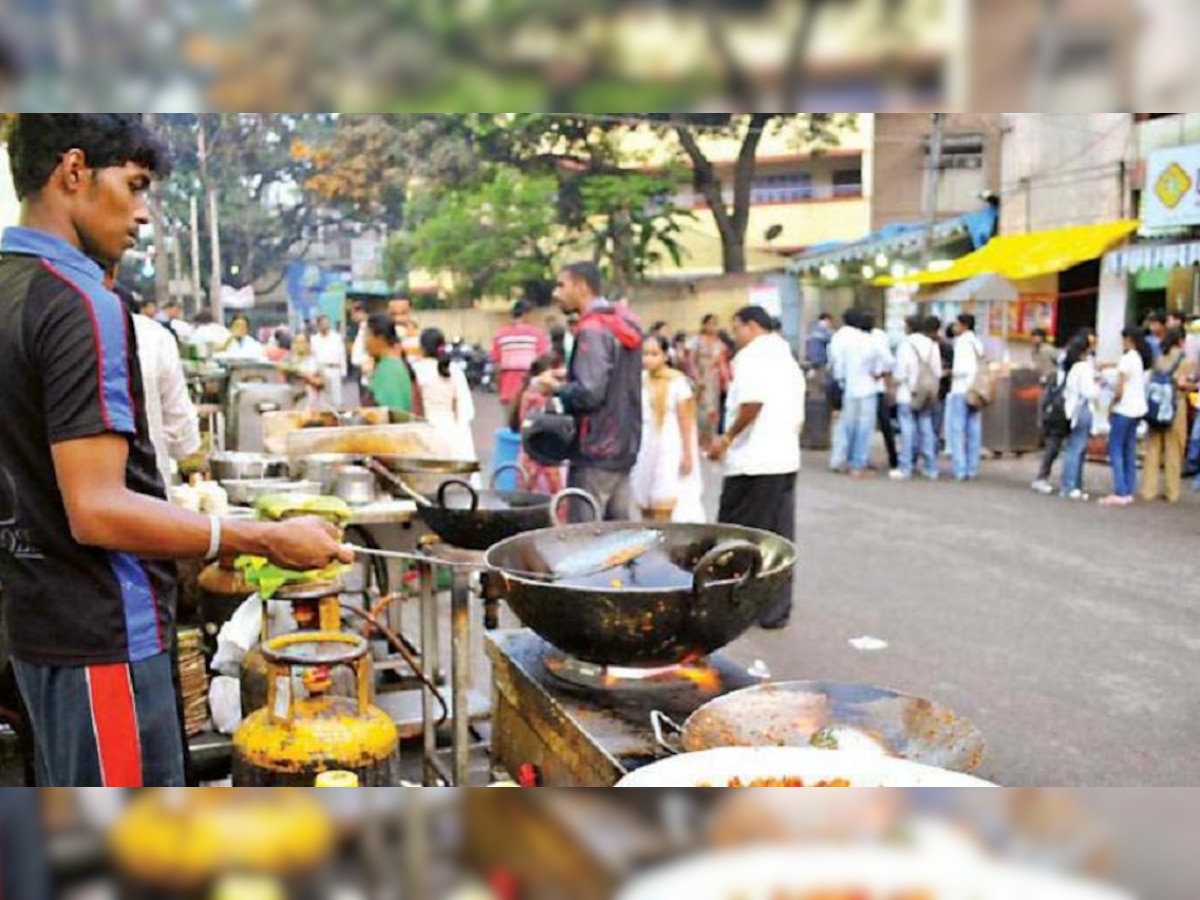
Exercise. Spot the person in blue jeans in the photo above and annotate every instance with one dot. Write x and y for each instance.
(964, 424)
(1128, 410)
(1082, 389)
(918, 360)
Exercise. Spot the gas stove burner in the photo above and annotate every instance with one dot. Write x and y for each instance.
(699, 675)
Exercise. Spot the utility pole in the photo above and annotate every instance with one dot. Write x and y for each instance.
(195, 240)
(210, 194)
(162, 272)
(932, 185)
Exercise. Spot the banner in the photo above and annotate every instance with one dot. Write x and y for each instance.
(1171, 197)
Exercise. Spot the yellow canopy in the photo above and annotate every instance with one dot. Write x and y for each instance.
(1017, 256)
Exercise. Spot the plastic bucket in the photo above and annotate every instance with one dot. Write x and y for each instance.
(506, 447)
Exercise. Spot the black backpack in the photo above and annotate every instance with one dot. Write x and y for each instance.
(1054, 408)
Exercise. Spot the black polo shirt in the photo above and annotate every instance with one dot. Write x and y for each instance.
(69, 370)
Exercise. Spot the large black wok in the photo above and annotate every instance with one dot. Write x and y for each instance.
(475, 520)
(836, 716)
(701, 587)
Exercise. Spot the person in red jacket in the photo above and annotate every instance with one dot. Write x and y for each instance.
(602, 389)
(514, 349)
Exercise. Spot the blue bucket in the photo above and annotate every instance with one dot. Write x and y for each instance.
(506, 447)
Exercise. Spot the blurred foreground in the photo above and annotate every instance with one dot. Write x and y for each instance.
(867, 844)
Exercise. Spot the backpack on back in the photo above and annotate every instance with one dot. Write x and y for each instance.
(1160, 398)
(927, 392)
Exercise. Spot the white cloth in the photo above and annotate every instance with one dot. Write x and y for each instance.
(837, 350)
(211, 333)
(912, 352)
(246, 348)
(656, 481)
(885, 359)
(329, 350)
(170, 414)
(182, 329)
(765, 372)
(1133, 399)
(968, 353)
(860, 363)
(448, 404)
(1082, 387)
(316, 399)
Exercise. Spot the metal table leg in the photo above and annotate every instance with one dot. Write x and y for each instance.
(460, 637)
(429, 627)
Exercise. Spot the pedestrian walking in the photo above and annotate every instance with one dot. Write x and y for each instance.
(1128, 410)
(602, 389)
(1081, 392)
(1167, 417)
(761, 444)
(1044, 356)
(408, 330)
(445, 394)
(710, 360)
(965, 413)
(302, 365)
(666, 481)
(88, 543)
(918, 377)
(514, 348)
(816, 345)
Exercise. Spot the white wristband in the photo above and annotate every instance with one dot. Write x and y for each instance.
(214, 537)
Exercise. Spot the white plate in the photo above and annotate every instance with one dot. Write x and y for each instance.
(717, 767)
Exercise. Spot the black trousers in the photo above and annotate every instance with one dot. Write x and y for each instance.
(883, 412)
(1055, 443)
(767, 502)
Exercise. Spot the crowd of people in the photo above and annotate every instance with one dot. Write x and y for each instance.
(934, 384)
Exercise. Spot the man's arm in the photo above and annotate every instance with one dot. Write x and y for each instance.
(747, 415)
(104, 513)
(592, 365)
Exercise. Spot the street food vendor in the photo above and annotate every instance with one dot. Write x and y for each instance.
(86, 535)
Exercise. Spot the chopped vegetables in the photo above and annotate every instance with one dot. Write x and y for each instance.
(267, 579)
(287, 506)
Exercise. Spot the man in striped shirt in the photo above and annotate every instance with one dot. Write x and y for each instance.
(514, 349)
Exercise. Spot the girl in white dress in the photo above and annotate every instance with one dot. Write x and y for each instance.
(666, 479)
(446, 396)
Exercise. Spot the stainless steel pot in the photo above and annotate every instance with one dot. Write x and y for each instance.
(247, 466)
(356, 485)
(323, 468)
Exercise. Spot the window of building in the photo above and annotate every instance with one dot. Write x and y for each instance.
(959, 151)
(847, 183)
(783, 188)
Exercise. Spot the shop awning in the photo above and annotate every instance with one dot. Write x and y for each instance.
(982, 288)
(1017, 256)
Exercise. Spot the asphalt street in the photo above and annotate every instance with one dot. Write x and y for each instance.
(1069, 633)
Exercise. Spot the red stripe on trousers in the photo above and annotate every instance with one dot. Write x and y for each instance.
(114, 718)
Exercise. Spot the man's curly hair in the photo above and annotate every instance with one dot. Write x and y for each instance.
(38, 141)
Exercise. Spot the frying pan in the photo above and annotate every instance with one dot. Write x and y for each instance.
(716, 768)
(701, 587)
(793, 713)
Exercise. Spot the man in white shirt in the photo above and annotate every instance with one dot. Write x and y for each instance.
(170, 414)
(241, 346)
(329, 350)
(764, 415)
(836, 383)
(964, 425)
(918, 376)
(859, 366)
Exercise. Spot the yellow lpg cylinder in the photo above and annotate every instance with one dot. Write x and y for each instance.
(293, 740)
(316, 607)
(181, 843)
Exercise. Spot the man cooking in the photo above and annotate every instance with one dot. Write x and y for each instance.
(602, 389)
(89, 594)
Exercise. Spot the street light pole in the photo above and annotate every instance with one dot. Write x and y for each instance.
(195, 241)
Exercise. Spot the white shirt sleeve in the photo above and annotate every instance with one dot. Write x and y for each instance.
(358, 355)
(754, 382)
(464, 403)
(180, 421)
